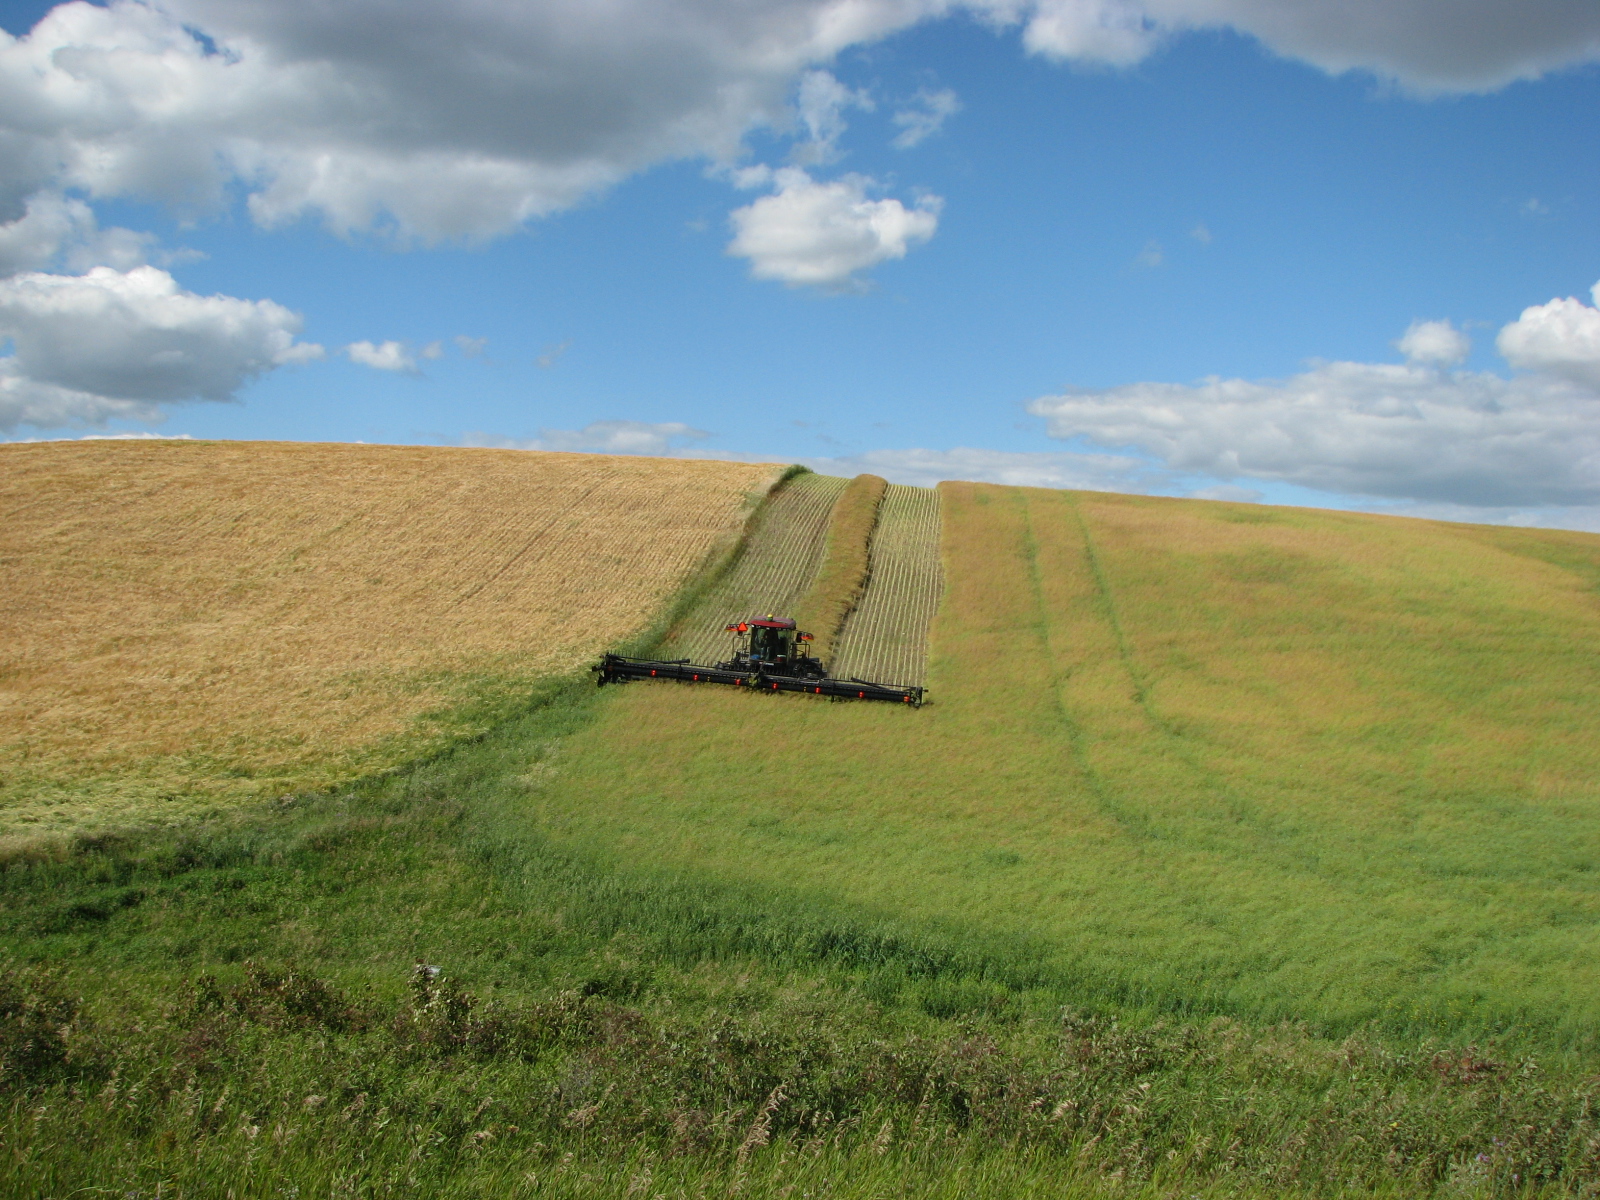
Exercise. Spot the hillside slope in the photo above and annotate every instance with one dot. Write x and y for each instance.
(1203, 756)
(185, 622)
(886, 638)
(771, 571)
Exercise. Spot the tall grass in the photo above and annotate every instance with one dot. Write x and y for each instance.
(886, 637)
(772, 567)
(405, 989)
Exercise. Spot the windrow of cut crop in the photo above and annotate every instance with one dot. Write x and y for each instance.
(771, 570)
(886, 637)
(846, 562)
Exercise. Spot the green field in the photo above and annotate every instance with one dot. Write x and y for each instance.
(1242, 851)
(1200, 757)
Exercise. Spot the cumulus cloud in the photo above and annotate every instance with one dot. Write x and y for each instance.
(112, 343)
(1416, 431)
(1427, 46)
(1436, 343)
(431, 122)
(471, 347)
(36, 238)
(464, 121)
(1561, 337)
(821, 234)
(57, 230)
(604, 437)
(383, 356)
(1114, 32)
(925, 118)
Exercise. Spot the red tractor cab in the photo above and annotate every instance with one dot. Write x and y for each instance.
(774, 645)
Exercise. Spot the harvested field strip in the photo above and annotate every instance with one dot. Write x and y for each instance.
(773, 572)
(846, 561)
(187, 622)
(886, 638)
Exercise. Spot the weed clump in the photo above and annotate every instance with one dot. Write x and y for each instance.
(437, 1085)
(36, 1020)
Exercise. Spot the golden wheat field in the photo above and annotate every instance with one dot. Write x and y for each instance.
(188, 623)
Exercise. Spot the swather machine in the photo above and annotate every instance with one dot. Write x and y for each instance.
(770, 654)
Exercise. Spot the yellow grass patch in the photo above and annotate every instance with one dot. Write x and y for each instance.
(186, 623)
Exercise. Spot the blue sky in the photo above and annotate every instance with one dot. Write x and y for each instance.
(1105, 205)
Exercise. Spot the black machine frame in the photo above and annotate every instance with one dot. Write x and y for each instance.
(770, 654)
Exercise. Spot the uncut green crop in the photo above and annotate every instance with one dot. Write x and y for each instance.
(1203, 758)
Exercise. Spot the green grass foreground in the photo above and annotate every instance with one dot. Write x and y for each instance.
(239, 1010)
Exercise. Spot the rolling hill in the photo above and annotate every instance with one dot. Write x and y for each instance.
(184, 624)
(1241, 851)
(1278, 763)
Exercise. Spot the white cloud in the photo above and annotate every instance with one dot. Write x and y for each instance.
(1411, 431)
(821, 103)
(110, 343)
(431, 122)
(1114, 32)
(1098, 472)
(1427, 46)
(1434, 343)
(1562, 337)
(471, 347)
(1151, 256)
(820, 234)
(54, 229)
(604, 437)
(385, 356)
(927, 118)
(35, 239)
(466, 120)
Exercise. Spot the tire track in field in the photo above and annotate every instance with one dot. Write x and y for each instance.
(772, 572)
(886, 638)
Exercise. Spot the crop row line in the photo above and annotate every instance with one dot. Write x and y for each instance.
(886, 637)
(771, 573)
